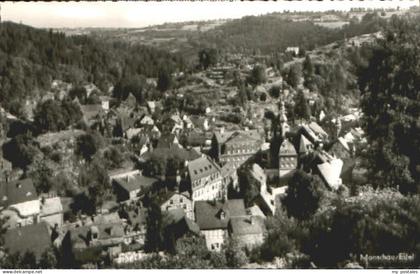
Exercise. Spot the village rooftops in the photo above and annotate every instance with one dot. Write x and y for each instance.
(216, 215)
(202, 167)
(331, 171)
(247, 225)
(237, 136)
(51, 206)
(33, 238)
(318, 129)
(51, 138)
(304, 144)
(16, 192)
(136, 182)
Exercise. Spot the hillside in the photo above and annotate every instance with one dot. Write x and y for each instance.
(31, 58)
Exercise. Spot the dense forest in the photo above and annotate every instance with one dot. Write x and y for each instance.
(31, 58)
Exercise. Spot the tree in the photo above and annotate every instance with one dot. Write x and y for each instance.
(164, 80)
(21, 150)
(301, 109)
(42, 174)
(372, 223)
(391, 106)
(87, 145)
(208, 57)
(235, 255)
(154, 229)
(48, 260)
(258, 75)
(94, 178)
(293, 75)
(284, 235)
(49, 116)
(303, 195)
(78, 92)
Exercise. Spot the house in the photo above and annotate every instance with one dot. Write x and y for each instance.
(330, 172)
(133, 187)
(131, 132)
(177, 224)
(213, 218)
(206, 180)
(318, 130)
(305, 146)
(19, 202)
(235, 147)
(123, 173)
(153, 105)
(170, 200)
(288, 158)
(265, 199)
(293, 50)
(172, 123)
(230, 176)
(247, 231)
(167, 141)
(91, 113)
(52, 211)
(105, 100)
(86, 243)
(34, 238)
(147, 121)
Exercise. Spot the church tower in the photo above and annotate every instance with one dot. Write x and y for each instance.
(284, 126)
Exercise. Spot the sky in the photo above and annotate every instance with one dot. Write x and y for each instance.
(141, 14)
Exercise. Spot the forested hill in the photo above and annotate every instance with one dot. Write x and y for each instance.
(270, 33)
(31, 58)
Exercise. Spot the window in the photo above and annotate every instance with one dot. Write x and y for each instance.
(181, 200)
(184, 206)
(171, 202)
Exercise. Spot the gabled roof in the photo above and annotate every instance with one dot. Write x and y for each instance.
(208, 213)
(227, 169)
(343, 142)
(202, 167)
(247, 225)
(304, 143)
(135, 183)
(330, 172)
(167, 141)
(287, 149)
(317, 129)
(237, 136)
(33, 238)
(258, 173)
(16, 192)
(91, 111)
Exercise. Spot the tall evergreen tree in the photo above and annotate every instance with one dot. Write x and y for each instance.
(391, 106)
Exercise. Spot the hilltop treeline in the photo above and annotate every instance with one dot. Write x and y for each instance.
(30, 58)
(270, 33)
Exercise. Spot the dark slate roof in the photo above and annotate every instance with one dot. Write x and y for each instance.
(208, 213)
(136, 182)
(33, 238)
(16, 192)
(202, 167)
(245, 225)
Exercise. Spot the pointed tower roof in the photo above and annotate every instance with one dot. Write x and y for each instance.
(304, 143)
(287, 148)
(282, 112)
